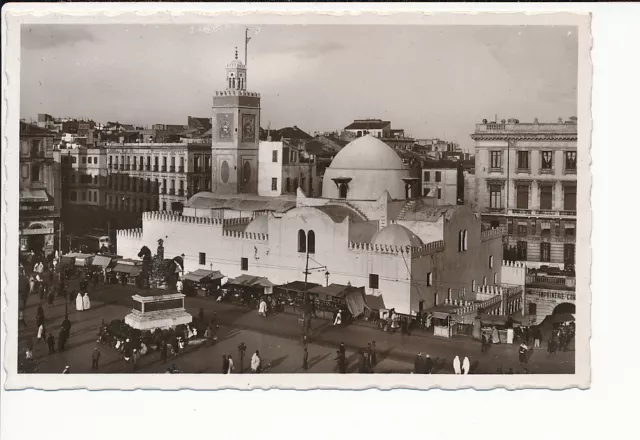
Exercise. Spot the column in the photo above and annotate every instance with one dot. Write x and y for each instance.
(557, 196)
(535, 195)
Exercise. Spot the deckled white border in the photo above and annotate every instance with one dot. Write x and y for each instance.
(340, 14)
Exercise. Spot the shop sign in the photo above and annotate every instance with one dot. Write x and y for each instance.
(41, 231)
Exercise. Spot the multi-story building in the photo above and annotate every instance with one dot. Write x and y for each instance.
(284, 167)
(40, 191)
(444, 181)
(375, 127)
(145, 177)
(527, 184)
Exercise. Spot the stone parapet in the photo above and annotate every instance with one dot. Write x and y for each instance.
(135, 234)
(245, 235)
(237, 93)
(429, 248)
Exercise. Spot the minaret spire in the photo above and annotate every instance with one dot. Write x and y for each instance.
(236, 52)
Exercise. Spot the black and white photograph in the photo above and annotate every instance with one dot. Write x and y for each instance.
(360, 203)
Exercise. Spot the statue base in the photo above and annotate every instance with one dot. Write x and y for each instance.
(162, 311)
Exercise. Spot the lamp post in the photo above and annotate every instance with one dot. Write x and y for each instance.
(241, 351)
(326, 275)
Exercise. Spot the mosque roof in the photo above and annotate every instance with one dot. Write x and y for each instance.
(423, 210)
(240, 202)
(396, 235)
(367, 153)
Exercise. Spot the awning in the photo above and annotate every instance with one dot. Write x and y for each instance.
(375, 302)
(298, 286)
(440, 315)
(336, 290)
(562, 317)
(33, 195)
(101, 260)
(202, 274)
(497, 319)
(127, 268)
(67, 261)
(250, 281)
(355, 302)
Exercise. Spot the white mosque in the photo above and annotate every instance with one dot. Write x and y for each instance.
(363, 231)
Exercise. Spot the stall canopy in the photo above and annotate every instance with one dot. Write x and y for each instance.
(441, 315)
(488, 319)
(128, 269)
(67, 260)
(353, 296)
(250, 281)
(101, 260)
(81, 259)
(297, 287)
(375, 302)
(33, 195)
(203, 275)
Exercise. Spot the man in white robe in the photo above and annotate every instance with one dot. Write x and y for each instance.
(179, 286)
(466, 365)
(86, 302)
(338, 320)
(262, 310)
(456, 365)
(255, 362)
(79, 302)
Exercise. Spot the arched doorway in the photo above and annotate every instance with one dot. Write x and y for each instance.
(564, 308)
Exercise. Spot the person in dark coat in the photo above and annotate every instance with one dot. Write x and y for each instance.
(51, 342)
(522, 353)
(362, 362)
(95, 358)
(51, 297)
(39, 315)
(342, 350)
(66, 326)
(418, 364)
(163, 351)
(305, 359)
(225, 364)
(374, 355)
(41, 290)
(428, 365)
(552, 346)
(62, 340)
(484, 343)
(201, 315)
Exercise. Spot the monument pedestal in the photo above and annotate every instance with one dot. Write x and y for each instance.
(163, 311)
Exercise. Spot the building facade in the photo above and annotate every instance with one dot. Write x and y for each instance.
(526, 178)
(40, 191)
(444, 181)
(374, 127)
(283, 168)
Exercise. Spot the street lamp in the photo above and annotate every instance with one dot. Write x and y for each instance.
(326, 275)
(241, 351)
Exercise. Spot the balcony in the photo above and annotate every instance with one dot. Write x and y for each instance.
(180, 192)
(172, 191)
(544, 213)
(155, 168)
(551, 282)
(163, 191)
(523, 170)
(181, 169)
(127, 167)
(122, 167)
(164, 168)
(140, 167)
(172, 169)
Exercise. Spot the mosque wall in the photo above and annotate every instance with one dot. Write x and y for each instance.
(427, 231)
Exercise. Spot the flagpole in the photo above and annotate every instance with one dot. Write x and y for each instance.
(246, 44)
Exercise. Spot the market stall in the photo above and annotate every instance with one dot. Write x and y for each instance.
(202, 282)
(128, 271)
(290, 297)
(330, 299)
(504, 324)
(247, 289)
(443, 323)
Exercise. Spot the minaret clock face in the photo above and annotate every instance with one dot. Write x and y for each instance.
(248, 128)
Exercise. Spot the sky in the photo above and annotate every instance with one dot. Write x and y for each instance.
(433, 81)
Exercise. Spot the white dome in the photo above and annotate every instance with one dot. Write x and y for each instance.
(371, 168)
(259, 225)
(235, 64)
(396, 235)
(367, 153)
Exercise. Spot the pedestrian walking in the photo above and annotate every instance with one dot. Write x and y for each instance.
(86, 302)
(66, 370)
(456, 365)
(51, 342)
(305, 359)
(428, 364)
(418, 364)
(163, 351)
(484, 343)
(374, 355)
(262, 310)
(362, 362)
(95, 358)
(134, 359)
(342, 362)
(51, 297)
(21, 319)
(537, 338)
(41, 334)
(466, 365)
(256, 362)
(225, 364)
(62, 340)
(39, 315)
(79, 302)
(342, 350)
(552, 346)
(231, 366)
(522, 353)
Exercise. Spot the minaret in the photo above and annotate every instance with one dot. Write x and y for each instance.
(235, 134)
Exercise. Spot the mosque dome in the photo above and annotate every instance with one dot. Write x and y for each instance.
(258, 225)
(369, 153)
(236, 63)
(396, 235)
(364, 170)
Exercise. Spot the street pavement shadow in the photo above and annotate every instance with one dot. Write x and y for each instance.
(230, 334)
(438, 365)
(275, 362)
(315, 360)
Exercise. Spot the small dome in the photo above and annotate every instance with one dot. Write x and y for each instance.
(396, 235)
(259, 225)
(367, 153)
(236, 63)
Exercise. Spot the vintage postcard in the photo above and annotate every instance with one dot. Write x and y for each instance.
(207, 200)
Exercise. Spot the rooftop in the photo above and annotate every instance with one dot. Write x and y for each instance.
(241, 202)
(367, 124)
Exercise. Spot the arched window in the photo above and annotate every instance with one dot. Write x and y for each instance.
(464, 241)
(302, 241)
(473, 285)
(460, 241)
(448, 294)
(311, 242)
